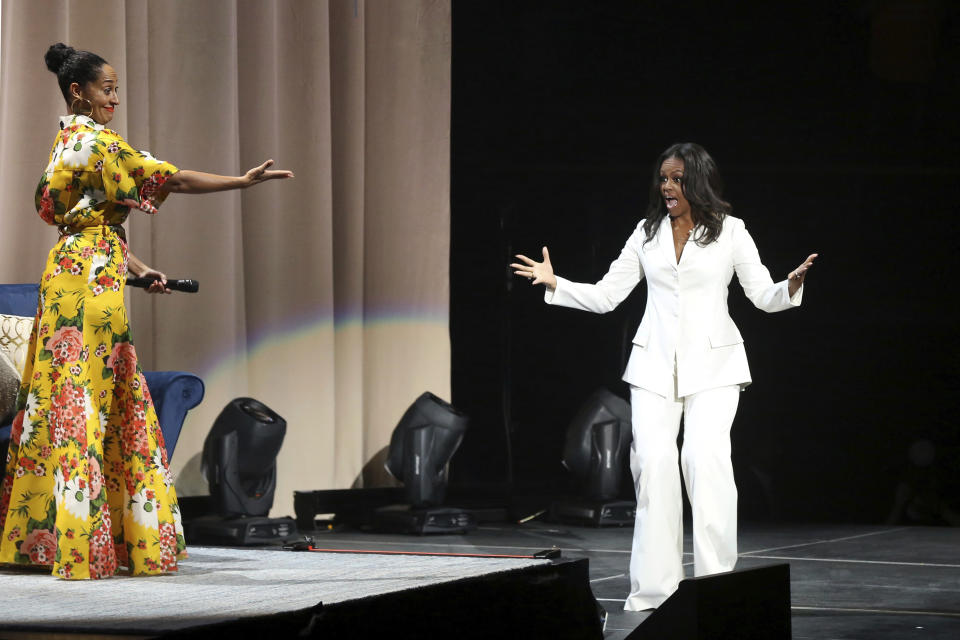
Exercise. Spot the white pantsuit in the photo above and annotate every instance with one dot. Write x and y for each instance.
(687, 359)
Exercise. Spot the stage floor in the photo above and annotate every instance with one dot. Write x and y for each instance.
(847, 581)
(217, 585)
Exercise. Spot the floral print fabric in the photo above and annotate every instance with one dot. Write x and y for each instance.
(87, 489)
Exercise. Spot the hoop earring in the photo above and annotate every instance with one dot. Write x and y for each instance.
(76, 112)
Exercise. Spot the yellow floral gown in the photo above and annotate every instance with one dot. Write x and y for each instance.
(87, 489)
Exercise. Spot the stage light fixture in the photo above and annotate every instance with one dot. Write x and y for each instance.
(596, 450)
(421, 447)
(240, 458)
(239, 461)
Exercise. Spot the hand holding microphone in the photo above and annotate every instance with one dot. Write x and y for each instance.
(187, 286)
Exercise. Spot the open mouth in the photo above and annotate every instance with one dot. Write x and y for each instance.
(670, 202)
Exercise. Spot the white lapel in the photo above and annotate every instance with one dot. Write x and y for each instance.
(691, 248)
(666, 234)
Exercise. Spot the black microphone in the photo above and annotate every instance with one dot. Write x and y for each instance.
(187, 286)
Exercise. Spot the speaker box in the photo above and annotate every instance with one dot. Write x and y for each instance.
(750, 604)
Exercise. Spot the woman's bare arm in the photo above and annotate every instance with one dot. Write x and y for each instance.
(186, 181)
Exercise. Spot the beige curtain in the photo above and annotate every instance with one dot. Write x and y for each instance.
(325, 297)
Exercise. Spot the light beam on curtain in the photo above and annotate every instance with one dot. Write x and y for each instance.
(325, 297)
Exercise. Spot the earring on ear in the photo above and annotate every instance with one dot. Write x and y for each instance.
(75, 109)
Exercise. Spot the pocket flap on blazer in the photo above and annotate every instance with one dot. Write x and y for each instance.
(642, 336)
(726, 337)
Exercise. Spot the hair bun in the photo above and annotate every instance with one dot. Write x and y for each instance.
(57, 55)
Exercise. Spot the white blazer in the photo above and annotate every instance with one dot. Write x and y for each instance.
(686, 320)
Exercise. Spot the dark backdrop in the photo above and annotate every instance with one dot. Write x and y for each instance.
(835, 129)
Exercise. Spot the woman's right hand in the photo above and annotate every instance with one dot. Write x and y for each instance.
(536, 272)
(159, 280)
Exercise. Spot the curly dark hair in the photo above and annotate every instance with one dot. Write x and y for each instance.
(702, 187)
(72, 65)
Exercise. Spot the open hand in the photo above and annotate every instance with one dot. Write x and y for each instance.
(536, 272)
(798, 275)
(801, 272)
(262, 174)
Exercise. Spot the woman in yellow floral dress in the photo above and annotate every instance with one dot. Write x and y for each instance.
(87, 489)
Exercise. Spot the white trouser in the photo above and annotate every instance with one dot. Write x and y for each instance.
(656, 562)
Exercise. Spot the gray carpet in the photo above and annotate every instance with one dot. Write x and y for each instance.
(220, 584)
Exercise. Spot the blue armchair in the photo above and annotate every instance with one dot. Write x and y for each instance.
(174, 392)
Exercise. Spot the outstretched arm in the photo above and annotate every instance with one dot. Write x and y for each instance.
(624, 274)
(187, 181)
(755, 279)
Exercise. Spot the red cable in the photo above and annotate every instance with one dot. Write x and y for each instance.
(422, 553)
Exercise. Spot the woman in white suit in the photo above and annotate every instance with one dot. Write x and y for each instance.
(687, 359)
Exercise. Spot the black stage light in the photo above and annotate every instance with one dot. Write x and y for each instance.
(240, 458)
(239, 461)
(597, 444)
(596, 451)
(421, 446)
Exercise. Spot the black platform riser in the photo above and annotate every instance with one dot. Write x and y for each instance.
(553, 600)
(752, 604)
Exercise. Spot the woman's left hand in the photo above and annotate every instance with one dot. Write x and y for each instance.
(798, 275)
(262, 174)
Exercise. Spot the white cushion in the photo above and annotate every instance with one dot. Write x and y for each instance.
(15, 338)
(9, 387)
